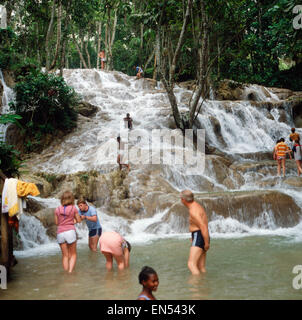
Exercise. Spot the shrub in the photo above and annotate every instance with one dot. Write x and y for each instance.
(45, 102)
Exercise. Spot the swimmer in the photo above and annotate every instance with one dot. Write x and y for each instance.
(149, 280)
(198, 226)
(113, 245)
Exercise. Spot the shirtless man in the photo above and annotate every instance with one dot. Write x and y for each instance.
(198, 226)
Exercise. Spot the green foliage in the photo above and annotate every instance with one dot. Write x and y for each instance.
(10, 161)
(45, 103)
(7, 53)
(84, 177)
(10, 118)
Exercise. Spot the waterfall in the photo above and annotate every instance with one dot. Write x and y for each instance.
(7, 97)
(233, 127)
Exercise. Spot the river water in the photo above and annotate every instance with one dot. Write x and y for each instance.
(254, 267)
(245, 261)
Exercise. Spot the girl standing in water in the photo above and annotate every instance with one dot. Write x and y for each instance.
(298, 154)
(149, 280)
(66, 216)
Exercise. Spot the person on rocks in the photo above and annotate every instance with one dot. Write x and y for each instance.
(128, 120)
(139, 72)
(297, 151)
(198, 226)
(121, 157)
(149, 280)
(66, 216)
(103, 59)
(294, 135)
(113, 245)
(89, 214)
(280, 151)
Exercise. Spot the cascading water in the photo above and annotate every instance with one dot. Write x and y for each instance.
(7, 97)
(233, 127)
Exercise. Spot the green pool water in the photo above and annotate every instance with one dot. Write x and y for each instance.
(246, 268)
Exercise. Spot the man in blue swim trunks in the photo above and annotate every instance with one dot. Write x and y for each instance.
(89, 214)
(198, 226)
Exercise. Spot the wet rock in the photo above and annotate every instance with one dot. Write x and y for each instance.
(297, 112)
(87, 109)
(266, 209)
(188, 85)
(281, 93)
(9, 78)
(33, 206)
(293, 182)
(120, 79)
(229, 90)
(46, 217)
(218, 167)
(145, 84)
(15, 137)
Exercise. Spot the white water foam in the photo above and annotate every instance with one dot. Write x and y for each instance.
(8, 96)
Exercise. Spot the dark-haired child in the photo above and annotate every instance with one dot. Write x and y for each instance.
(149, 280)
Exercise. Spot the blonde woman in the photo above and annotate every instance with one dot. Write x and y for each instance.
(66, 216)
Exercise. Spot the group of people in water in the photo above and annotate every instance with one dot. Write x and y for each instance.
(281, 149)
(115, 247)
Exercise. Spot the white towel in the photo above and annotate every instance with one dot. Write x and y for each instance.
(11, 203)
(4, 206)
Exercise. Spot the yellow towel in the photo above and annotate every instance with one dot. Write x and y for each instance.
(14, 189)
(25, 188)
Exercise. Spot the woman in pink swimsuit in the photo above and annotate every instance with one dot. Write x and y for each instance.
(113, 245)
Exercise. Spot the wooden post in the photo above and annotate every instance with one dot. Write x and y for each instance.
(5, 254)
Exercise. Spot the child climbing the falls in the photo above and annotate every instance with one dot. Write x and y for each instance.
(280, 151)
(149, 280)
(297, 154)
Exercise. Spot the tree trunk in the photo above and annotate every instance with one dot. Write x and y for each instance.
(149, 60)
(65, 38)
(79, 51)
(111, 42)
(203, 65)
(87, 52)
(99, 45)
(59, 23)
(49, 34)
(4, 239)
(180, 42)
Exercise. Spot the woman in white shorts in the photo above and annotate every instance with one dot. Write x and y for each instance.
(66, 216)
(297, 150)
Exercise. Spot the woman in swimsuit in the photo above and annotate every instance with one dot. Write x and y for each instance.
(149, 280)
(113, 245)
